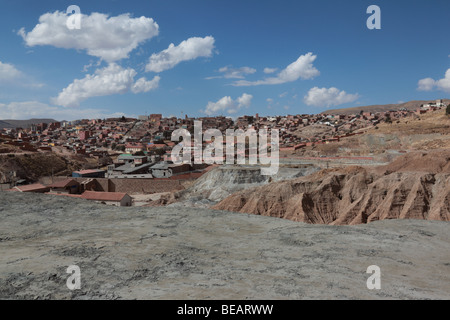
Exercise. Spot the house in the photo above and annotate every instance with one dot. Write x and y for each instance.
(153, 146)
(161, 170)
(133, 148)
(130, 168)
(124, 158)
(69, 186)
(84, 135)
(167, 169)
(37, 187)
(90, 184)
(179, 168)
(112, 198)
(138, 160)
(94, 173)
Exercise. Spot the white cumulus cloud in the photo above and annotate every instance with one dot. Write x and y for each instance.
(426, 84)
(110, 38)
(302, 68)
(327, 97)
(226, 104)
(189, 49)
(144, 85)
(112, 79)
(429, 84)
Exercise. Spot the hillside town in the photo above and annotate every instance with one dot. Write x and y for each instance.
(151, 135)
(129, 152)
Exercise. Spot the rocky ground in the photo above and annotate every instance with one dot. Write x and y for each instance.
(185, 253)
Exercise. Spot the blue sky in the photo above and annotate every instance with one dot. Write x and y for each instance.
(229, 58)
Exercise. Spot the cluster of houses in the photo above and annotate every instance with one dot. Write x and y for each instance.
(439, 104)
(90, 138)
(133, 166)
(151, 134)
(149, 137)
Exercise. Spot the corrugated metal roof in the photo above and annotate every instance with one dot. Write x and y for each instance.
(133, 169)
(160, 166)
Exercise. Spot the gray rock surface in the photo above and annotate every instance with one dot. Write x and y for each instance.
(182, 253)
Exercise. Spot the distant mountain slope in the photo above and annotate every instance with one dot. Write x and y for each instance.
(23, 123)
(4, 124)
(410, 105)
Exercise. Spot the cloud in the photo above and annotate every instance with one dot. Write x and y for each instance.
(34, 109)
(245, 100)
(234, 73)
(323, 97)
(284, 94)
(143, 85)
(10, 75)
(92, 64)
(112, 79)
(229, 105)
(270, 70)
(109, 38)
(302, 68)
(189, 49)
(426, 84)
(8, 72)
(429, 84)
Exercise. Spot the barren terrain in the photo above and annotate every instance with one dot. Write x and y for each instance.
(182, 253)
(430, 131)
(414, 186)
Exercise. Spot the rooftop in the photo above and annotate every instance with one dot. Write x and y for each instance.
(30, 187)
(89, 171)
(63, 183)
(103, 196)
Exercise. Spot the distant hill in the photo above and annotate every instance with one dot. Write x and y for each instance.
(411, 105)
(23, 123)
